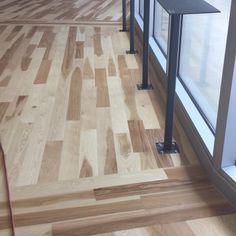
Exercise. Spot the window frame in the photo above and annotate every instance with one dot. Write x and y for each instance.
(139, 10)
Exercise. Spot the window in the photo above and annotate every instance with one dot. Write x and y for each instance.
(202, 58)
(141, 8)
(160, 30)
(225, 150)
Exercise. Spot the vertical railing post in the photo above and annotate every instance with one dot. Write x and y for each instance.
(124, 14)
(175, 33)
(132, 28)
(173, 55)
(176, 12)
(146, 26)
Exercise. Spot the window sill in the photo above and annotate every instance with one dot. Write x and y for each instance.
(230, 171)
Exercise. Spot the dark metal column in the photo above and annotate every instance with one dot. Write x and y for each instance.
(132, 28)
(146, 26)
(173, 56)
(124, 14)
(176, 10)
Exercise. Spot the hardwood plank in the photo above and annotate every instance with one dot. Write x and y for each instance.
(142, 188)
(100, 62)
(88, 72)
(86, 169)
(176, 229)
(223, 225)
(3, 109)
(17, 150)
(127, 160)
(183, 198)
(14, 33)
(74, 106)
(26, 60)
(69, 168)
(100, 78)
(117, 104)
(8, 55)
(10, 122)
(97, 41)
(86, 184)
(79, 50)
(36, 36)
(148, 161)
(111, 67)
(88, 105)
(191, 172)
(138, 136)
(39, 230)
(88, 156)
(5, 81)
(131, 61)
(106, 147)
(2, 28)
(102, 224)
(49, 171)
(144, 107)
(73, 213)
(102, 88)
(16, 107)
(31, 165)
(69, 52)
(43, 72)
(57, 124)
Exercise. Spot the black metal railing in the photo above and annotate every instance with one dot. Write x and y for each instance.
(176, 10)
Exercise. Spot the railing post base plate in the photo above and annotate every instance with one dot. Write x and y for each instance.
(122, 30)
(131, 52)
(141, 87)
(161, 150)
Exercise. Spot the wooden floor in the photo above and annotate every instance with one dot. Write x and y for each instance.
(80, 139)
(58, 11)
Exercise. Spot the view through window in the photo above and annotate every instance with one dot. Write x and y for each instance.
(202, 56)
(161, 22)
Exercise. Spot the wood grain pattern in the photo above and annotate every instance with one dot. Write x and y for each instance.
(79, 50)
(80, 139)
(102, 88)
(69, 52)
(138, 136)
(111, 67)
(51, 162)
(3, 109)
(73, 112)
(43, 72)
(61, 10)
(26, 60)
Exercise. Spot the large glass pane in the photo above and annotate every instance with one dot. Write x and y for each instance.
(141, 8)
(202, 57)
(161, 23)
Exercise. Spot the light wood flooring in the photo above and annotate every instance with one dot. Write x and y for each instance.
(60, 11)
(80, 139)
